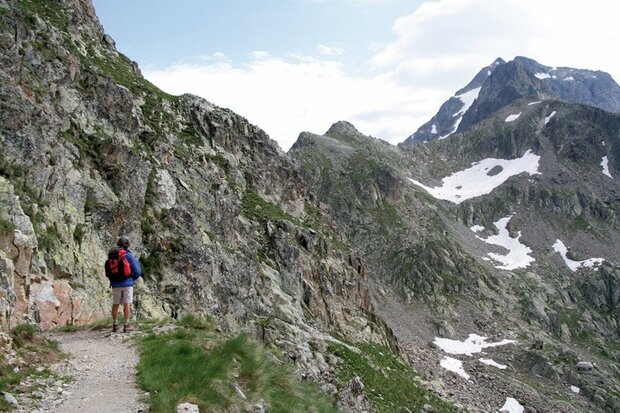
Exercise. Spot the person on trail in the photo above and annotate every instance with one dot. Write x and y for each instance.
(122, 268)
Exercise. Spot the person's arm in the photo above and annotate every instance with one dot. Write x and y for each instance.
(136, 271)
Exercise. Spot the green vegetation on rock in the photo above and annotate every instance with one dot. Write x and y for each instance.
(255, 207)
(6, 227)
(50, 11)
(390, 383)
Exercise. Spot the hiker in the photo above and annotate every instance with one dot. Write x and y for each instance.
(122, 268)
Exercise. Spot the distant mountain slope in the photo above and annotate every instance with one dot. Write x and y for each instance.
(509, 230)
(502, 83)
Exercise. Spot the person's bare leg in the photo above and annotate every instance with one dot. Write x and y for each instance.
(114, 316)
(126, 312)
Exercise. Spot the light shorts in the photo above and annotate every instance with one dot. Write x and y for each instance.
(122, 295)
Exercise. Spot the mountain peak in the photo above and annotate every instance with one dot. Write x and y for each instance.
(501, 83)
(342, 126)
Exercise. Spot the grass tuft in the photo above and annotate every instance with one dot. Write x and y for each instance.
(195, 364)
(390, 383)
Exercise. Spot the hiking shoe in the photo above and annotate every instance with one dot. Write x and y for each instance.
(127, 328)
(114, 328)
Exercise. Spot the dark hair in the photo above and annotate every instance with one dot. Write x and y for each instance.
(123, 242)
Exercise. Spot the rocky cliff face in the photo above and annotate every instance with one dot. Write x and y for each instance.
(502, 83)
(217, 213)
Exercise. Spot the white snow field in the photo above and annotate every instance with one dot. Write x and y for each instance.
(534, 103)
(605, 165)
(434, 129)
(542, 75)
(473, 344)
(468, 99)
(512, 406)
(477, 228)
(454, 365)
(518, 253)
(490, 362)
(512, 118)
(475, 181)
(575, 389)
(575, 265)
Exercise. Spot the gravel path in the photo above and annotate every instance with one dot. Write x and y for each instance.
(103, 368)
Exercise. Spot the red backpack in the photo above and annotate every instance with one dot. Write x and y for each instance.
(117, 267)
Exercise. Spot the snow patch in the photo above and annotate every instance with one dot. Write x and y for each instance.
(474, 181)
(603, 143)
(574, 265)
(455, 366)
(477, 228)
(490, 362)
(434, 129)
(534, 103)
(518, 254)
(542, 75)
(569, 78)
(512, 118)
(468, 99)
(605, 165)
(512, 406)
(575, 389)
(548, 118)
(473, 344)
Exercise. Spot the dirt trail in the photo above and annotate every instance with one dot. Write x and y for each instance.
(103, 368)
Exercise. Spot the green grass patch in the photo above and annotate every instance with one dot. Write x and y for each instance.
(346, 139)
(190, 136)
(580, 223)
(258, 209)
(6, 227)
(50, 11)
(197, 322)
(390, 383)
(206, 368)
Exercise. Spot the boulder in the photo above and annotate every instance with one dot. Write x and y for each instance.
(187, 408)
(584, 366)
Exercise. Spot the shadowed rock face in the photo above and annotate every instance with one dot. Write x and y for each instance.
(502, 83)
(218, 214)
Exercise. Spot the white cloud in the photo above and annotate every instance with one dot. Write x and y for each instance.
(452, 39)
(286, 96)
(436, 51)
(259, 54)
(330, 51)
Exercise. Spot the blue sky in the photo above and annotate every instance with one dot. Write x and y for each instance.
(384, 65)
(157, 33)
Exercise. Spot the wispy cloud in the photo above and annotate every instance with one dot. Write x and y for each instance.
(330, 51)
(259, 54)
